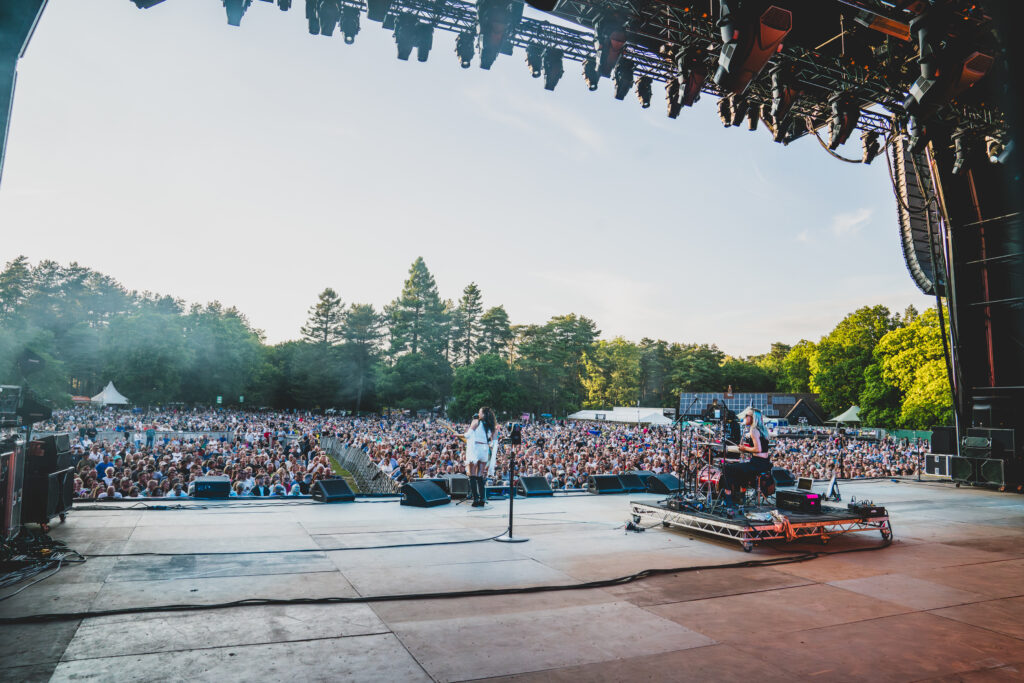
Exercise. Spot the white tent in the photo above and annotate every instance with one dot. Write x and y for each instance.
(629, 414)
(851, 415)
(110, 396)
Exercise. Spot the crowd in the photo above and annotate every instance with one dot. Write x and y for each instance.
(279, 454)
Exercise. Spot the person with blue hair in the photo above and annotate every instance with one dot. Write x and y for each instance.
(755, 443)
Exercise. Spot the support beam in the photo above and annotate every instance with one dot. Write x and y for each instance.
(18, 20)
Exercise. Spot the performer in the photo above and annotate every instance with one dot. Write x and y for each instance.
(754, 442)
(480, 438)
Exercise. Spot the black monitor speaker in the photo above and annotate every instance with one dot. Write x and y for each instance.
(631, 483)
(783, 477)
(604, 483)
(663, 483)
(211, 487)
(332, 491)
(534, 486)
(424, 494)
(457, 485)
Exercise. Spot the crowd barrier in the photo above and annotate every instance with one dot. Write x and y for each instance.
(369, 478)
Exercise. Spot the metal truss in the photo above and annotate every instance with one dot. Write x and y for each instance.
(749, 534)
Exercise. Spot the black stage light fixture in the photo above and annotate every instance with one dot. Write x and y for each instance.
(845, 114)
(920, 134)
(542, 5)
(424, 41)
(623, 78)
(535, 59)
(464, 48)
(609, 41)
(869, 140)
(349, 23)
(590, 73)
(783, 93)
(766, 114)
(753, 114)
(405, 34)
(235, 10)
(376, 10)
(644, 92)
(553, 68)
(738, 106)
(146, 4)
(725, 111)
(283, 5)
(672, 98)
(995, 149)
(312, 18)
(492, 23)
(750, 37)
(690, 63)
(961, 150)
(329, 12)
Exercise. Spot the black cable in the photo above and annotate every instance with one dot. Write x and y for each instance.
(297, 550)
(603, 583)
(60, 564)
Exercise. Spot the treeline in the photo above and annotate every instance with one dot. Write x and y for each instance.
(425, 352)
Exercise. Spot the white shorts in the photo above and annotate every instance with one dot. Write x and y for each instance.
(477, 455)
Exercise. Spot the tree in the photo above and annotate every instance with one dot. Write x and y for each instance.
(361, 330)
(795, 371)
(696, 367)
(418, 381)
(655, 372)
(612, 374)
(837, 369)
(146, 356)
(467, 326)
(487, 381)
(772, 362)
(323, 327)
(743, 375)
(495, 331)
(15, 285)
(416, 316)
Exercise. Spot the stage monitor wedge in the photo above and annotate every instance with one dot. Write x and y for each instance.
(332, 491)
(663, 483)
(424, 494)
(632, 483)
(604, 483)
(211, 487)
(530, 487)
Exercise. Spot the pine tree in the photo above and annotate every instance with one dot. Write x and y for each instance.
(467, 326)
(495, 331)
(326, 316)
(417, 315)
(361, 329)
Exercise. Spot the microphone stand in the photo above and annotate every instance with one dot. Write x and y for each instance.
(679, 459)
(508, 537)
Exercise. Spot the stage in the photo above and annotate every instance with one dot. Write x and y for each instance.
(944, 601)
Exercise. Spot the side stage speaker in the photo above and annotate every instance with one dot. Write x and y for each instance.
(798, 501)
(631, 483)
(604, 483)
(989, 471)
(534, 486)
(424, 494)
(212, 487)
(937, 465)
(332, 491)
(944, 440)
(47, 495)
(663, 483)
(48, 454)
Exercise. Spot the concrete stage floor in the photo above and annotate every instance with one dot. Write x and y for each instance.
(944, 602)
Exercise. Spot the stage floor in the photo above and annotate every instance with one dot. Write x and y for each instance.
(944, 601)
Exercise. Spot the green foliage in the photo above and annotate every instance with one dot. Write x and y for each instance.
(466, 326)
(325, 320)
(418, 381)
(487, 381)
(495, 331)
(612, 374)
(795, 370)
(696, 367)
(416, 318)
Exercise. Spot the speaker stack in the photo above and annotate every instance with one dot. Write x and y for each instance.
(49, 484)
(12, 476)
(984, 457)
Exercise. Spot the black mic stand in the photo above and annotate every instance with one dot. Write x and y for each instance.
(507, 537)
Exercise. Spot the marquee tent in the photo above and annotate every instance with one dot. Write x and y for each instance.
(851, 415)
(110, 396)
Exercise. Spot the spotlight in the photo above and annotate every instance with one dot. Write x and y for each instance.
(284, 5)
(995, 149)
(739, 110)
(749, 40)
(766, 114)
(235, 10)
(424, 41)
(871, 148)
(623, 78)
(553, 69)
(312, 18)
(961, 150)
(919, 135)
(692, 72)
(643, 91)
(590, 73)
(349, 23)
(464, 48)
(753, 114)
(329, 13)
(725, 111)
(492, 22)
(845, 113)
(405, 34)
(535, 59)
(609, 40)
(783, 93)
(672, 97)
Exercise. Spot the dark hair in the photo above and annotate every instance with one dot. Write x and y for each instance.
(490, 424)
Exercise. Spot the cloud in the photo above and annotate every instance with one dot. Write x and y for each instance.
(844, 224)
(804, 236)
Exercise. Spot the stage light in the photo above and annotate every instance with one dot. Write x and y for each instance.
(753, 114)
(349, 23)
(610, 41)
(749, 39)
(328, 12)
(553, 69)
(995, 149)
(424, 41)
(464, 48)
(492, 22)
(845, 114)
(869, 140)
(766, 114)
(644, 91)
(405, 34)
(783, 93)
(235, 10)
(623, 78)
(535, 59)
(692, 71)
(961, 150)
(738, 106)
(672, 98)
(590, 73)
(919, 134)
(283, 5)
(725, 111)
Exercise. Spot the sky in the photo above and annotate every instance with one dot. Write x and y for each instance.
(257, 165)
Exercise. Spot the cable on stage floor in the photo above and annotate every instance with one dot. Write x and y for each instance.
(795, 558)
